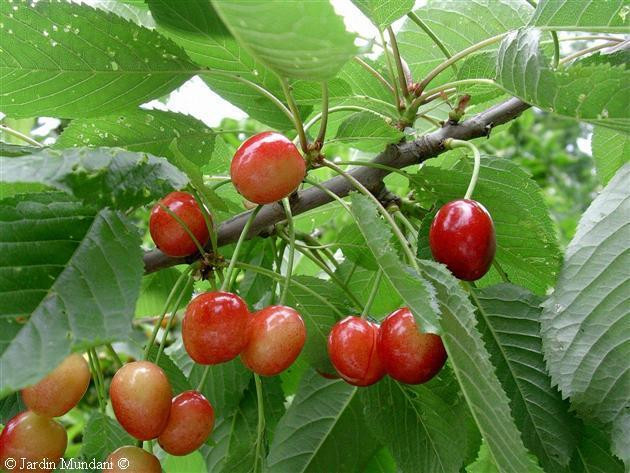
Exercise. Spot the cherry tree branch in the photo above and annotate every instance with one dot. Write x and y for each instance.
(396, 156)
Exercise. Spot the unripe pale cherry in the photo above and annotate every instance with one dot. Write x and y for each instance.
(214, 329)
(267, 167)
(61, 389)
(462, 237)
(189, 424)
(352, 351)
(408, 355)
(28, 437)
(141, 398)
(168, 234)
(134, 460)
(276, 335)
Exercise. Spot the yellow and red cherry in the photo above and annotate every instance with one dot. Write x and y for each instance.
(352, 351)
(61, 389)
(462, 237)
(169, 235)
(276, 335)
(130, 459)
(189, 425)
(267, 167)
(141, 398)
(29, 438)
(214, 329)
(409, 356)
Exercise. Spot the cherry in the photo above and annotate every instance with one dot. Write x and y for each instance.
(189, 425)
(61, 389)
(28, 437)
(141, 399)
(276, 335)
(214, 329)
(168, 234)
(462, 237)
(267, 167)
(134, 460)
(408, 355)
(353, 353)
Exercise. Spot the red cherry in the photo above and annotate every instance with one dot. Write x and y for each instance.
(353, 353)
(189, 425)
(28, 437)
(60, 390)
(276, 335)
(214, 328)
(267, 167)
(408, 355)
(168, 234)
(134, 460)
(462, 237)
(141, 399)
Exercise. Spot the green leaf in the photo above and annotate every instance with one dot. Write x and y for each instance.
(611, 150)
(586, 348)
(582, 15)
(11, 150)
(381, 462)
(101, 176)
(76, 270)
(509, 322)
(308, 40)
(191, 463)
(593, 454)
(471, 365)
(101, 436)
(178, 380)
(55, 62)
(415, 291)
(367, 132)
(11, 406)
(155, 289)
(527, 246)
(384, 12)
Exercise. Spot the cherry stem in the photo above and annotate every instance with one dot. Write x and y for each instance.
(416, 19)
(331, 194)
(98, 378)
(410, 229)
(117, 361)
(390, 67)
(260, 429)
(169, 325)
(313, 244)
(287, 281)
(324, 120)
(204, 376)
(451, 143)
(297, 121)
(342, 108)
(556, 49)
(402, 80)
(582, 52)
(185, 227)
(225, 286)
(377, 282)
(20, 135)
(208, 219)
(278, 253)
(374, 72)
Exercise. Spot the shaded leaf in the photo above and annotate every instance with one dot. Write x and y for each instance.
(101, 436)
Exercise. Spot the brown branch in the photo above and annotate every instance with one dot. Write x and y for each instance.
(398, 156)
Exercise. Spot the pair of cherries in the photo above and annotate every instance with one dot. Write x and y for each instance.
(218, 327)
(362, 352)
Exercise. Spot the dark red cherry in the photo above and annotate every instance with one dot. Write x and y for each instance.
(267, 167)
(353, 353)
(462, 237)
(168, 234)
(276, 335)
(408, 355)
(214, 329)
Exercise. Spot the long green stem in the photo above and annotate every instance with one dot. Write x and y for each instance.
(342, 108)
(315, 244)
(390, 67)
(410, 229)
(204, 376)
(22, 136)
(402, 78)
(330, 193)
(374, 72)
(289, 272)
(322, 127)
(451, 143)
(582, 52)
(169, 325)
(416, 19)
(117, 361)
(453, 84)
(260, 428)
(297, 121)
(97, 377)
(373, 292)
(228, 274)
(183, 224)
(556, 49)
(203, 205)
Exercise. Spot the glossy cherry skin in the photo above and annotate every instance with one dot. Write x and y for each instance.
(214, 328)
(33, 438)
(130, 459)
(189, 425)
(168, 234)
(462, 237)
(276, 335)
(61, 389)
(352, 351)
(267, 167)
(408, 355)
(141, 398)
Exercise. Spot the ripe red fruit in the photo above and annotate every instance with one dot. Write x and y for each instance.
(189, 425)
(267, 167)
(60, 390)
(141, 399)
(276, 335)
(353, 353)
(168, 234)
(28, 437)
(462, 237)
(132, 460)
(214, 328)
(408, 355)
